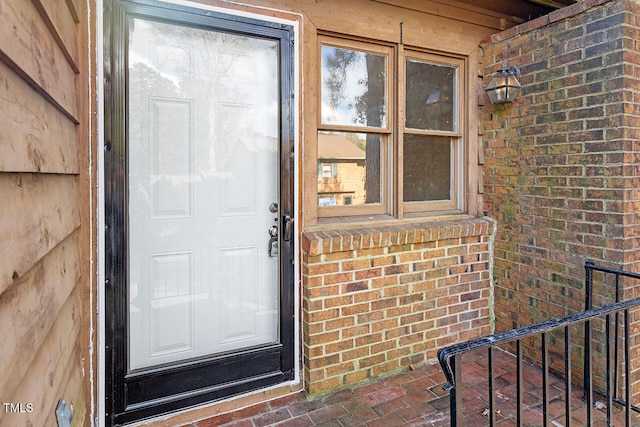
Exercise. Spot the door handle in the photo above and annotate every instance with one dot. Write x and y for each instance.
(287, 227)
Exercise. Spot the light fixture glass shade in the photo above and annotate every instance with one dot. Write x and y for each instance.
(504, 86)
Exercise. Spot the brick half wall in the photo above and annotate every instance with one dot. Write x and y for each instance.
(380, 300)
(561, 172)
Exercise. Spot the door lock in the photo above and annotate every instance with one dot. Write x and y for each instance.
(287, 231)
(273, 241)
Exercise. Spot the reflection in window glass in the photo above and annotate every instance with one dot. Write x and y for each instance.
(353, 88)
(327, 170)
(203, 127)
(356, 177)
(427, 168)
(430, 98)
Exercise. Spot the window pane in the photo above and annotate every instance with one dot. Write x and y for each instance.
(427, 168)
(431, 93)
(353, 88)
(355, 177)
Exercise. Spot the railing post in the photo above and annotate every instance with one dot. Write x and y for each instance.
(567, 379)
(588, 303)
(610, 360)
(627, 369)
(519, 382)
(455, 394)
(492, 388)
(588, 285)
(616, 357)
(545, 380)
(588, 369)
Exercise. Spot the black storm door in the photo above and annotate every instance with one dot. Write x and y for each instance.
(199, 199)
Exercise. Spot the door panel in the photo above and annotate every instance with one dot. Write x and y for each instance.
(202, 173)
(198, 154)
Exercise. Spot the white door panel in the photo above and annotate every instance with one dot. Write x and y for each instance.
(202, 172)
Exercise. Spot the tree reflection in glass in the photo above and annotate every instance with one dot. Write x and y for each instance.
(354, 93)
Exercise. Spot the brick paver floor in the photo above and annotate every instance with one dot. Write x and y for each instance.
(416, 398)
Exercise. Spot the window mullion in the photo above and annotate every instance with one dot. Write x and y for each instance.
(398, 143)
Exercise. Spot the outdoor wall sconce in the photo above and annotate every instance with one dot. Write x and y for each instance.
(504, 86)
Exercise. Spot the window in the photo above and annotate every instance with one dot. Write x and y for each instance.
(327, 170)
(431, 143)
(398, 141)
(326, 201)
(355, 127)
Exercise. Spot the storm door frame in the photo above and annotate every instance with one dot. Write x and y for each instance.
(164, 389)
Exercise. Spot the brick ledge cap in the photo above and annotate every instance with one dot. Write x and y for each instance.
(363, 237)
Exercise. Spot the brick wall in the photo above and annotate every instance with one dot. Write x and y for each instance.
(378, 300)
(561, 171)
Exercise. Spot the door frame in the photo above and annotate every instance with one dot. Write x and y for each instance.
(288, 163)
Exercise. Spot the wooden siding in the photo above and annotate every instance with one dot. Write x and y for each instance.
(44, 140)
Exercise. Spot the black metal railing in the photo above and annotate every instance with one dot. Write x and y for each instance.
(618, 276)
(450, 357)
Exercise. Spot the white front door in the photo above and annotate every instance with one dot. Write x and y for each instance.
(199, 196)
(203, 171)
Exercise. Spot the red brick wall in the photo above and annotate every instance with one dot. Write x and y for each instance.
(562, 169)
(378, 300)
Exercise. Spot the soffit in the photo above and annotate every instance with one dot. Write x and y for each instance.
(523, 9)
(496, 14)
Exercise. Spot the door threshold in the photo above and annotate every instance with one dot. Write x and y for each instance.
(209, 410)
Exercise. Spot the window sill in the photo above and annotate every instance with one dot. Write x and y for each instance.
(367, 221)
(378, 232)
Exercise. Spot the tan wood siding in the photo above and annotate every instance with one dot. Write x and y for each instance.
(29, 310)
(46, 374)
(39, 212)
(44, 188)
(74, 6)
(68, 390)
(61, 24)
(35, 135)
(28, 45)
